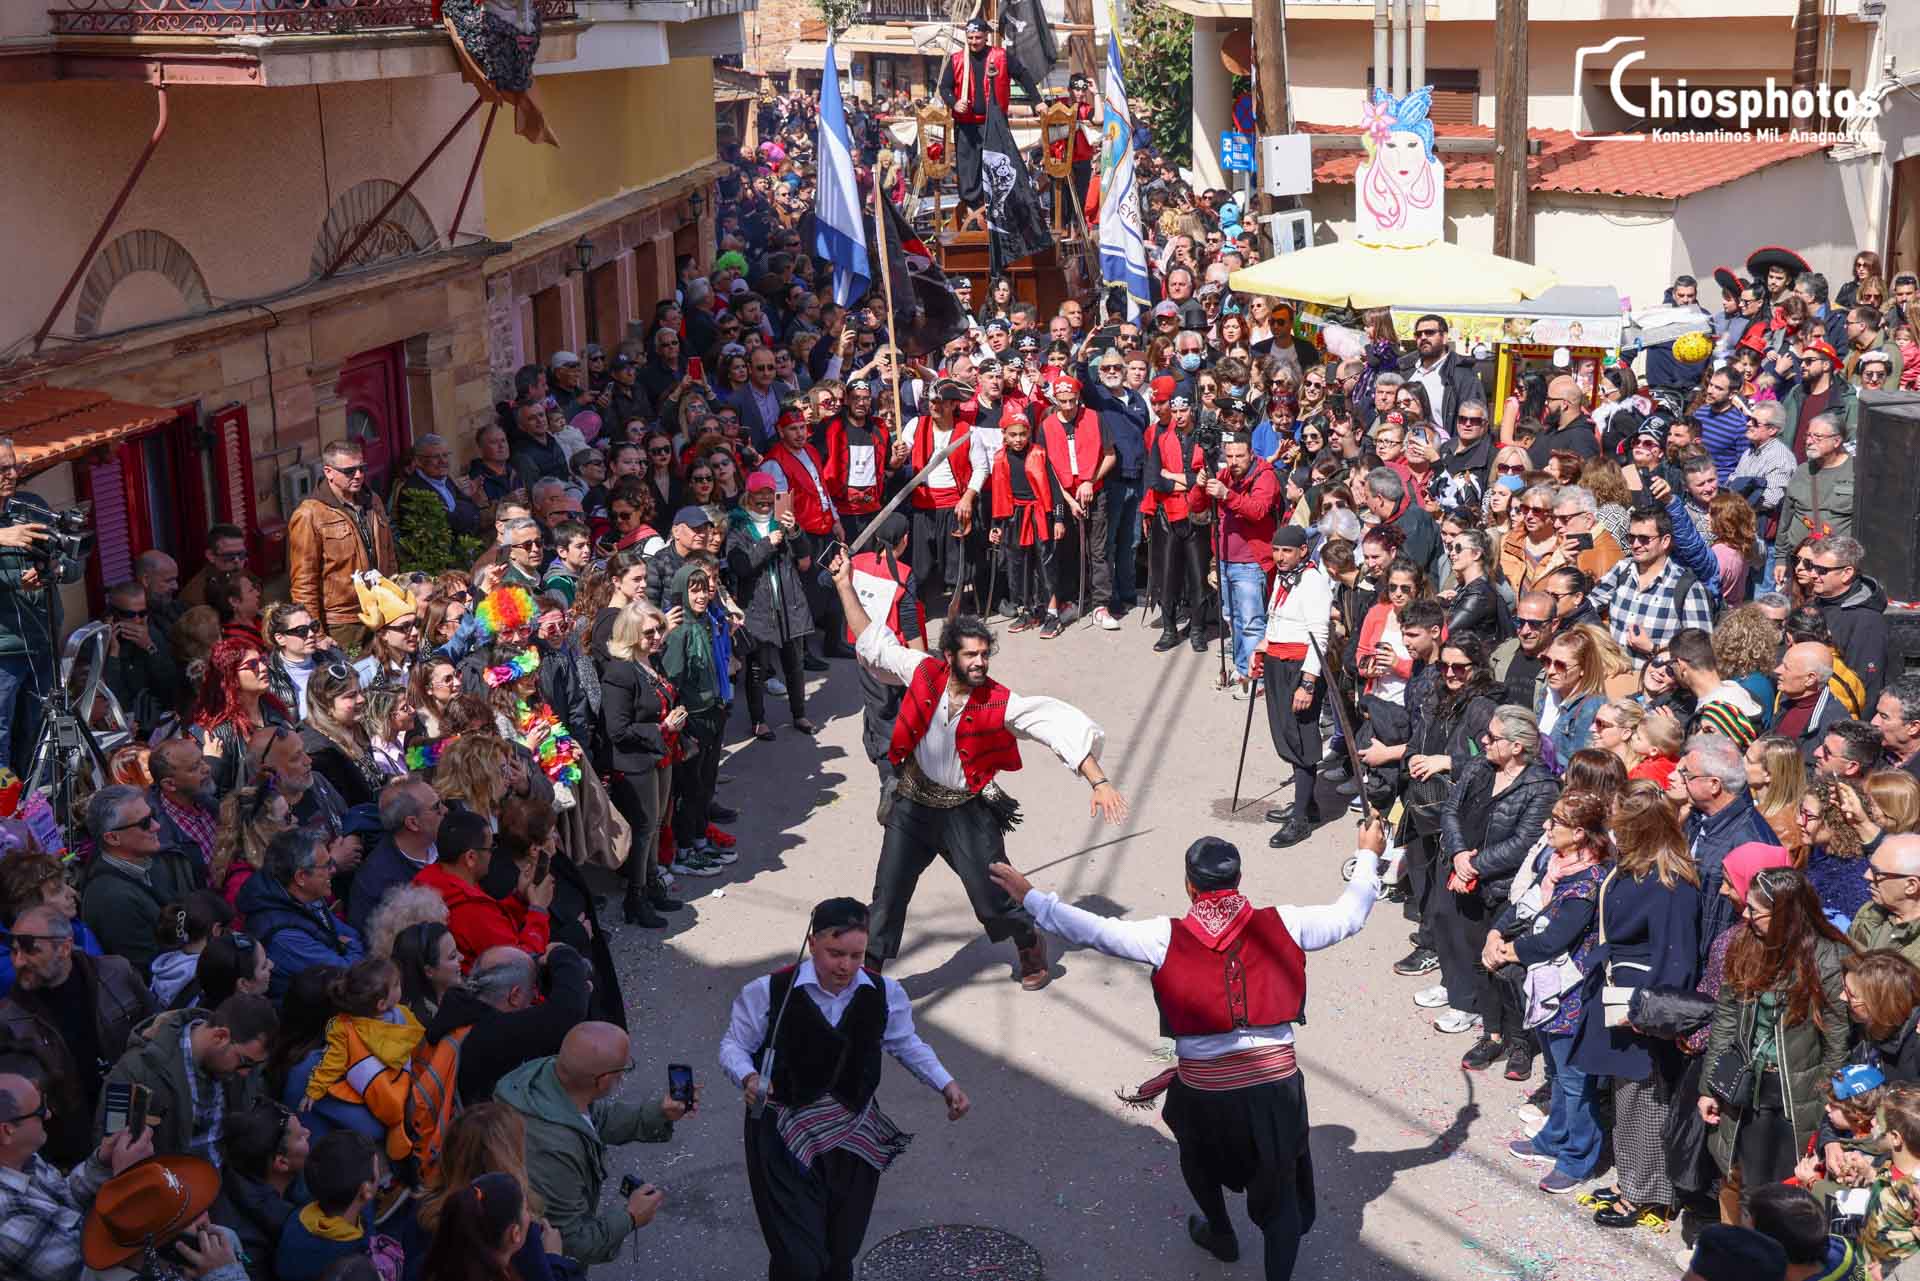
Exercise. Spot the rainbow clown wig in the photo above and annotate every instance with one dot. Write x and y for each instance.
(525, 663)
(505, 610)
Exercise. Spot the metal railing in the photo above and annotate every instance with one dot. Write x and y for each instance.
(256, 17)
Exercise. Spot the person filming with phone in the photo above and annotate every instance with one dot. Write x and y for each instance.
(572, 1123)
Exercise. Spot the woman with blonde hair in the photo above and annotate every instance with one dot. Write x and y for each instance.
(1649, 915)
(435, 684)
(341, 751)
(250, 817)
(1893, 800)
(634, 746)
(1777, 781)
(388, 721)
(1613, 727)
(1574, 677)
(1746, 647)
(1619, 679)
(477, 770)
(487, 1138)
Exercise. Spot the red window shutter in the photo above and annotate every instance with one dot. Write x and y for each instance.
(105, 485)
(233, 467)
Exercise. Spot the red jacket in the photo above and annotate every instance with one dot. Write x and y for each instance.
(1165, 451)
(1086, 451)
(863, 500)
(1250, 506)
(480, 921)
(807, 507)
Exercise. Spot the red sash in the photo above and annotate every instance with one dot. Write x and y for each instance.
(1034, 525)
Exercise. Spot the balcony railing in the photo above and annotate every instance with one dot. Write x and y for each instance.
(904, 11)
(258, 17)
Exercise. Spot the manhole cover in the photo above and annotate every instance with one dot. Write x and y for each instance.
(956, 1250)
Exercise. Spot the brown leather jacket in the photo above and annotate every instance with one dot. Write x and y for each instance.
(324, 551)
(121, 1002)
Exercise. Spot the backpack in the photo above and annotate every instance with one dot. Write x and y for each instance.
(433, 1100)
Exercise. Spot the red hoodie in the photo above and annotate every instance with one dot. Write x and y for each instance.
(480, 921)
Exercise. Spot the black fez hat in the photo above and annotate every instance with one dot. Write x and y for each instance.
(1289, 536)
(891, 531)
(1213, 864)
(836, 914)
(1738, 1254)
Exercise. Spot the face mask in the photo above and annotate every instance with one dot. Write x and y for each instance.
(1189, 360)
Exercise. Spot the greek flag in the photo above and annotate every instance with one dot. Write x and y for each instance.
(1123, 253)
(839, 230)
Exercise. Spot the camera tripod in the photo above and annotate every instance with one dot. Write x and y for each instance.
(66, 751)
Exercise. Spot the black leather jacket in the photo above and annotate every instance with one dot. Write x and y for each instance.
(1476, 609)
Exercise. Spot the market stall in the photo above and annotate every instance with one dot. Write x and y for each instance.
(1573, 329)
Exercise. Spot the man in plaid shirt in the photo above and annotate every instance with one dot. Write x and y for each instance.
(1643, 596)
(41, 1209)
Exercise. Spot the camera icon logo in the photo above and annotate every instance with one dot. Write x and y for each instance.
(1594, 59)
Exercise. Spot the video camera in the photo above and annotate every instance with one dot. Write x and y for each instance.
(70, 538)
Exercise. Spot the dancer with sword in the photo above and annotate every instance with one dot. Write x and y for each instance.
(957, 730)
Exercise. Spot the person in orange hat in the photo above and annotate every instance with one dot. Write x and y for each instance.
(152, 1221)
(41, 1209)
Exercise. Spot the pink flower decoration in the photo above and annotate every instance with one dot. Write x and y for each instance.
(1376, 121)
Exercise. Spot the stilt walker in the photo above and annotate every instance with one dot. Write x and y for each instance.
(957, 730)
(1230, 981)
(966, 78)
(1299, 610)
(804, 1046)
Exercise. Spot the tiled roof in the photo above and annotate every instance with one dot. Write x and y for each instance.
(1653, 168)
(49, 424)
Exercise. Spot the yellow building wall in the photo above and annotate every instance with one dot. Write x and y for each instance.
(618, 130)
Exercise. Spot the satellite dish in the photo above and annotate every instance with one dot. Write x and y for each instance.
(1236, 52)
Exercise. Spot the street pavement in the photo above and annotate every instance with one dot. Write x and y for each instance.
(1412, 1177)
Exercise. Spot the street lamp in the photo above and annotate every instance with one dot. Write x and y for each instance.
(695, 203)
(583, 254)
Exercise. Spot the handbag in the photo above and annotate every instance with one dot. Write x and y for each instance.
(1616, 1001)
(1731, 1078)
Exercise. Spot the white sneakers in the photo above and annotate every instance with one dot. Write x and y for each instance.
(1108, 623)
(1431, 998)
(1456, 1021)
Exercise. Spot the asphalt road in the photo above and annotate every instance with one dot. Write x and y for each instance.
(1413, 1180)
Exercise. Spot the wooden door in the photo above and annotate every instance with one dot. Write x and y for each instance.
(1903, 227)
(374, 386)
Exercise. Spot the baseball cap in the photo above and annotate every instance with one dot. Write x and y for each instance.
(759, 480)
(561, 359)
(1166, 308)
(1163, 389)
(623, 361)
(692, 517)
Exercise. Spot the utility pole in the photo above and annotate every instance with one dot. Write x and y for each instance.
(1270, 105)
(1510, 238)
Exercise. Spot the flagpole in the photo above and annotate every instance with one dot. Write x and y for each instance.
(886, 285)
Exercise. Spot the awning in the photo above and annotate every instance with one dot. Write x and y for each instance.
(1356, 273)
(809, 55)
(51, 424)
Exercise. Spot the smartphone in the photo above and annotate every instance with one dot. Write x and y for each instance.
(697, 369)
(1583, 542)
(680, 1082)
(783, 504)
(541, 866)
(119, 1107)
(630, 1185)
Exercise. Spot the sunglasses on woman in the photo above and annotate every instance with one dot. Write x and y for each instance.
(1512, 469)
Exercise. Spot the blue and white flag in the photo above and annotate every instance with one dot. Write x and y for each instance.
(1123, 251)
(839, 228)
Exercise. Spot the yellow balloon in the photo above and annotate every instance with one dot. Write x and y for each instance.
(1690, 349)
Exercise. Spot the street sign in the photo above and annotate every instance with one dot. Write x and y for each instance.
(1236, 152)
(1243, 113)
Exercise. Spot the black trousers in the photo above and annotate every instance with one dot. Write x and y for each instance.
(813, 1220)
(1028, 576)
(938, 558)
(1182, 569)
(969, 839)
(1082, 179)
(1092, 527)
(880, 705)
(694, 781)
(642, 801)
(1296, 735)
(968, 141)
(1251, 1140)
(1459, 924)
(760, 658)
(823, 602)
(1423, 874)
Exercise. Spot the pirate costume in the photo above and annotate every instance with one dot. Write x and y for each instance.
(1299, 611)
(816, 1152)
(1230, 981)
(1182, 524)
(966, 78)
(1027, 504)
(947, 802)
(938, 557)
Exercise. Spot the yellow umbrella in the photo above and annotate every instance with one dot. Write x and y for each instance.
(1354, 273)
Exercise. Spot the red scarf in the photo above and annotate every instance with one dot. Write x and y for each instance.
(1217, 917)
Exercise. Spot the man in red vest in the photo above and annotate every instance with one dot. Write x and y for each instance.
(1230, 981)
(958, 729)
(1088, 133)
(798, 473)
(1081, 453)
(939, 549)
(967, 79)
(859, 453)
